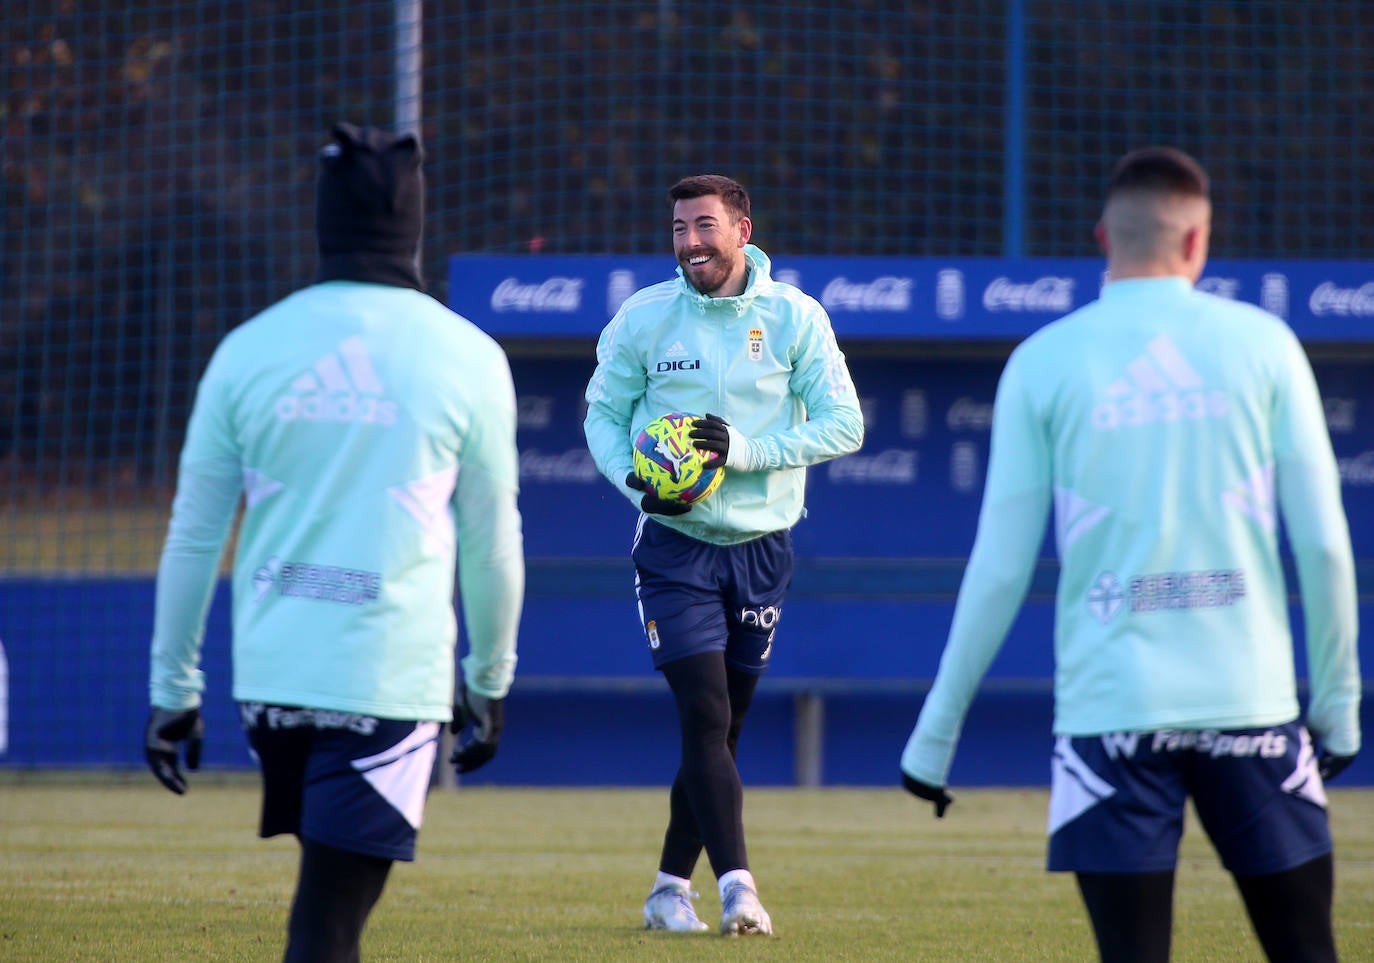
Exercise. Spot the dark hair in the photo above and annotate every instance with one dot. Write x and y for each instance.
(1159, 170)
(731, 193)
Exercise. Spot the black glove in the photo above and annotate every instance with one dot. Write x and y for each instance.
(1331, 765)
(486, 717)
(167, 728)
(651, 503)
(935, 794)
(711, 434)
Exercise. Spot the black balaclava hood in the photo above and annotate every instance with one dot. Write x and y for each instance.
(370, 207)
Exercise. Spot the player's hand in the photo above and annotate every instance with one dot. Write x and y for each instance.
(1331, 765)
(486, 718)
(711, 433)
(651, 503)
(934, 794)
(167, 729)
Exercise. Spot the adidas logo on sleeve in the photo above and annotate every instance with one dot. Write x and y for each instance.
(340, 387)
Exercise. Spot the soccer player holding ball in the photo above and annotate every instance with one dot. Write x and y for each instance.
(755, 360)
(1172, 431)
(370, 433)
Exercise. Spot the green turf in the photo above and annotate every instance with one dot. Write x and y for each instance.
(111, 868)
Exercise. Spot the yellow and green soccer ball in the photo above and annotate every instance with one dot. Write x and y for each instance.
(668, 462)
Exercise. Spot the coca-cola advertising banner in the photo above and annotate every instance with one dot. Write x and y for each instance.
(913, 490)
(923, 298)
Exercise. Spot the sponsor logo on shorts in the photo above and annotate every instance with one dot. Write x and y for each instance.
(1269, 744)
(1211, 742)
(651, 630)
(256, 714)
(762, 616)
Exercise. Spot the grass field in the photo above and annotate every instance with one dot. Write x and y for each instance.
(115, 868)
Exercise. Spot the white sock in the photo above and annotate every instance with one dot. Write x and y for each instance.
(736, 876)
(667, 879)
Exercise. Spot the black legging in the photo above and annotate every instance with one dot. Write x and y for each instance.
(334, 896)
(1132, 913)
(706, 803)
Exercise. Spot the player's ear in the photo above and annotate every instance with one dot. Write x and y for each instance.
(1194, 243)
(746, 230)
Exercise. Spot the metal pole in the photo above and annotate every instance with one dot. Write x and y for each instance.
(4, 702)
(809, 746)
(408, 17)
(166, 332)
(1014, 130)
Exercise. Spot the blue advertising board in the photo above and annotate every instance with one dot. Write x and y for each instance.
(915, 488)
(900, 298)
(880, 554)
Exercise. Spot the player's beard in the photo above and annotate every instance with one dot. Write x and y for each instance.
(710, 277)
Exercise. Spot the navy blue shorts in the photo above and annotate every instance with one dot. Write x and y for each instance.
(1117, 801)
(697, 597)
(346, 780)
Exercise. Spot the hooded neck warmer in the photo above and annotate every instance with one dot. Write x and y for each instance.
(369, 207)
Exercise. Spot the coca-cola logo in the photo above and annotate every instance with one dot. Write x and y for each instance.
(895, 466)
(574, 466)
(1221, 287)
(534, 411)
(1340, 415)
(1357, 470)
(554, 294)
(969, 414)
(886, 293)
(1330, 298)
(1043, 294)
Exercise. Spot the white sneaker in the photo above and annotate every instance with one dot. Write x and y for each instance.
(742, 914)
(670, 908)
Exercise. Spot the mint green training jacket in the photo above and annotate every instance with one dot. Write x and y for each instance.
(1172, 431)
(766, 361)
(371, 434)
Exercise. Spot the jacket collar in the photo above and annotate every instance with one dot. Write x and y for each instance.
(758, 279)
(371, 269)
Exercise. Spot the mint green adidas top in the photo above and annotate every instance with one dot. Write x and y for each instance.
(766, 361)
(1171, 430)
(371, 434)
